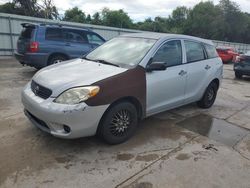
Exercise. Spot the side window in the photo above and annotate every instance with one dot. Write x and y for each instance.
(194, 51)
(169, 53)
(211, 51)
(76, 36)
(53, 34)
(94, 39)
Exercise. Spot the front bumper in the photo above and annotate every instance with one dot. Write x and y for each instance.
(242, 69)
(51, 117)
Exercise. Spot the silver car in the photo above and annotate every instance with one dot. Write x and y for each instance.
(125, 80)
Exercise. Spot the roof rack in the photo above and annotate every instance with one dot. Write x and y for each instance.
(64, 25)
(52, 24)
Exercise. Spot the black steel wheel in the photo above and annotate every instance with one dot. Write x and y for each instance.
(209, 96)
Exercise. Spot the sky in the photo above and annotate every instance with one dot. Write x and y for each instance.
(138, 10)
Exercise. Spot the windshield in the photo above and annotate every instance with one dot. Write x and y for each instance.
(122, 51)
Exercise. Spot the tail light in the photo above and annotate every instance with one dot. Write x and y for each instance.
(239, 59)
(33, 47)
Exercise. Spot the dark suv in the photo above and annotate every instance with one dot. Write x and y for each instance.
(42, 45)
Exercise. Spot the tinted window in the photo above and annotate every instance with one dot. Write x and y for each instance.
(211, 51)
(169, 53)
(27, 33)
(194, 51)
(53, 34)
(94, 39)
(72, 35)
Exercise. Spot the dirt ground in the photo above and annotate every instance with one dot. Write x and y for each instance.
(184, 147)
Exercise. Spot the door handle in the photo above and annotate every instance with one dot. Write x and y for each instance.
(207, 67)
(182, 73)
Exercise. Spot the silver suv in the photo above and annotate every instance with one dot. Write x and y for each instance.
(129, 78)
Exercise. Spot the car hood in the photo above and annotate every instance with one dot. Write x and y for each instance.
(73, 73)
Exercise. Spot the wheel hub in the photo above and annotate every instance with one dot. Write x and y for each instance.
(120, 123)
(210, 94)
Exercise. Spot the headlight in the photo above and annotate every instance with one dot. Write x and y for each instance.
(77, 95)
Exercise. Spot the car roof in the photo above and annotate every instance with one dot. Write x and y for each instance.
(54, 26)
(158, 36)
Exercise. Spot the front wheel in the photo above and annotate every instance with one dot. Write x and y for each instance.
(209, 96)
(119, 123)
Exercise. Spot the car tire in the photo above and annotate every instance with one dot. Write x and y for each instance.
(56, 59)
(119, 123)
(209, 96)
(238, 75)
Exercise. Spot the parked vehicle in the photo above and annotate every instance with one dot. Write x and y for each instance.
(121, 82)
(227, 54)
(242, 66)
(42, 45)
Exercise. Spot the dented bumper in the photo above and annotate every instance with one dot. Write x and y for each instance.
(81, 120)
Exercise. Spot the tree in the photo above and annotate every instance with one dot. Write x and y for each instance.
(178, 19)
(10, 8)
(31, 8)
(205, 20)
(74, 15)
(147, 25)
(235, 22)
(116, 18)
(96, 20)
(88, 19)
(49, 9)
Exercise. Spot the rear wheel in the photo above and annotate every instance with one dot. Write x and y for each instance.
(209, 96)
(119, 123)
(56, 59)
(238, 75)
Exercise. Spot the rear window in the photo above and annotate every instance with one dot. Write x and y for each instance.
(27, 33)
(76, 36)
(211, 51)
(194, 51)
(53, 34)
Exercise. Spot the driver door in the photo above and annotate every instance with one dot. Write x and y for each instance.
(166, 88)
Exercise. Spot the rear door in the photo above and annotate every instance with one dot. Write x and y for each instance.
(76, 42)
(166, 88)
(199, 70)
(27, 35)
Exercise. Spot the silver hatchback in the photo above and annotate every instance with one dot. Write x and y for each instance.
(121, 82)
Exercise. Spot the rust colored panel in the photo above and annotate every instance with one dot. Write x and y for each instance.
(131, 83)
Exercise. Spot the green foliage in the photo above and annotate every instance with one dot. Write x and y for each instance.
(96, 20)
(74, 15)
(45, 9)
(116, 18)
(224, 21)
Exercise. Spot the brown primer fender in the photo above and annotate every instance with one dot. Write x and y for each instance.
(131, 83)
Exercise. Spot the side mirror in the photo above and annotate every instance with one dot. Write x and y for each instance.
(156, 66)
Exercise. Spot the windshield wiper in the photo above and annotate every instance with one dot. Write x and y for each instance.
(105, 62)
(84, 57)
(101, 61)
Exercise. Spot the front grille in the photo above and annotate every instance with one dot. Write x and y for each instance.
(40, 122)
(40, 91)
